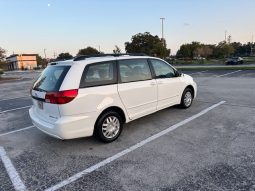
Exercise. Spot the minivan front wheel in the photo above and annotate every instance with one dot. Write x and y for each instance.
(109, 126)
(187, 98)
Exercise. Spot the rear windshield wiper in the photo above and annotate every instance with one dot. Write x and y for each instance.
(39, 89)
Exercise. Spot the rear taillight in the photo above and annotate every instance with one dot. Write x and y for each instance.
(61, 97)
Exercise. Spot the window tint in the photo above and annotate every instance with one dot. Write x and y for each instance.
(134, 70)
(98, 74)
(51, 78)
(162, 70)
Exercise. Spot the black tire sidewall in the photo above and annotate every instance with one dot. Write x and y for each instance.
(183, 96)
(98, 127)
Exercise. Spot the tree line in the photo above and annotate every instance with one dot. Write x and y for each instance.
(220, 50)
(155, 46)
(152, 45)
(140, 43)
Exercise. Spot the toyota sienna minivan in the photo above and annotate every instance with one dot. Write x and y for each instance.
(96, 95)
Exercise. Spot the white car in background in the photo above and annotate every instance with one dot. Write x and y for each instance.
(96, 95)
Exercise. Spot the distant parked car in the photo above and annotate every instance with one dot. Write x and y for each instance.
(234, 61)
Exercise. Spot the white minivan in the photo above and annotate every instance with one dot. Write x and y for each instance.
(96, 95)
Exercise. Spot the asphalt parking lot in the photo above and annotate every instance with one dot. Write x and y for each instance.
(210, 146)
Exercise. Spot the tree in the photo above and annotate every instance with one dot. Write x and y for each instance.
(2, 54)
(148, 44)
(242, 49)
(64, 56)
(204, 51)
(41, 61)
(3, 63)
(188, 50)
(88, 51)
(223, 50)
(117, 50)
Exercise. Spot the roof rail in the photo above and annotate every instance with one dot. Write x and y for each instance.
(83, 57)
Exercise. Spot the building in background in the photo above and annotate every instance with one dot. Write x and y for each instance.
(21, 61)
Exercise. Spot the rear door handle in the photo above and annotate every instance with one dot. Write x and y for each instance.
(160, 82)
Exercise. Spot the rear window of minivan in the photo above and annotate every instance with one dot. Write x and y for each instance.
(51, 78)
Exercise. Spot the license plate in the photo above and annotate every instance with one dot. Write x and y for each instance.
(40, 104)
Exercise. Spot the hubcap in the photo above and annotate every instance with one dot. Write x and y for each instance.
(111, 127)
(188, 99)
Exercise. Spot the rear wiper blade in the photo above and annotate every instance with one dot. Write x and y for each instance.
(39, 89)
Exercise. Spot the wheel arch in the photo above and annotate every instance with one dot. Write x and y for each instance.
(116, 109)
(192, 89)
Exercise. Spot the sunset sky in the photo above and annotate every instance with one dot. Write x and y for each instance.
(30, 26)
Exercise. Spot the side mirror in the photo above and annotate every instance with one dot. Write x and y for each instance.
(178, 73)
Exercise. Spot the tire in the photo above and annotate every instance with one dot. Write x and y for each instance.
(108, 127)
(187, 98)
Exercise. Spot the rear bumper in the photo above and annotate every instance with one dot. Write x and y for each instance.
(68, 127)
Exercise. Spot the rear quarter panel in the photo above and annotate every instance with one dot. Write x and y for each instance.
(93, 99)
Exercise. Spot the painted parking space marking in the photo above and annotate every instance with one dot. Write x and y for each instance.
(199, 72)
(19, 108)
(15, 131)
(14, 98)
(228, 73)
(130, 149)
(13, 174)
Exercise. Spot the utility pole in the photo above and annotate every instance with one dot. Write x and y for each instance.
(229, 39)
(225, 35)
(99, 49)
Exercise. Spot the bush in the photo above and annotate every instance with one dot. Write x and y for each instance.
(37, 68)
(1, 72)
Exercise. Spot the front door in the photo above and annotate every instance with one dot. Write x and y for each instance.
(169, 84)
(137, 89)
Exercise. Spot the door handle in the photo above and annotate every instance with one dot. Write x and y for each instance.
(160, 82)
(153, 83)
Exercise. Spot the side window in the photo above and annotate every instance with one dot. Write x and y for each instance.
(134, 70)
(98, 74)
(162, 70)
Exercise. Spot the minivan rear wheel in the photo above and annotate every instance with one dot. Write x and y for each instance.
(108, 127)
(187, 98)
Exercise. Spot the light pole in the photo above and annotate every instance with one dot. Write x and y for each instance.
(251, 44)
(44, 50)
(162, 27)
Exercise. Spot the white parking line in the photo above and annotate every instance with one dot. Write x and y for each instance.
(15, 131)
(13, 98)
(5, 111)
(228, 73)
(198, 72)
(130, 149)
(13, 174)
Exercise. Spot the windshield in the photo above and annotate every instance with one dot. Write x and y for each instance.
(51, 78)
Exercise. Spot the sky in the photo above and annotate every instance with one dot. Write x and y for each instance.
(30, 26)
